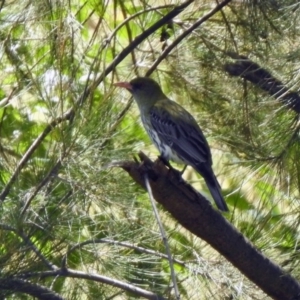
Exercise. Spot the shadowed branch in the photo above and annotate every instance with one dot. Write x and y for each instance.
(245, 68)
(196, 214)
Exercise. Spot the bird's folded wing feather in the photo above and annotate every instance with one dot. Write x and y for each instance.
(178, 129)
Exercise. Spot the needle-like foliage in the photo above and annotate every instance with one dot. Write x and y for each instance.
(75, 226)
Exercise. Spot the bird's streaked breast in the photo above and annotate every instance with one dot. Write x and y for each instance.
(165, 150)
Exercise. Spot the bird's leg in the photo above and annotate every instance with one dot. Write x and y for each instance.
(165, 161)
(176, 172)
(184, 168)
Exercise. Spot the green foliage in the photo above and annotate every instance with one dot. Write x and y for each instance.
(63, 132)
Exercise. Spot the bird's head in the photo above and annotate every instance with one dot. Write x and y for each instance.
(145, 91)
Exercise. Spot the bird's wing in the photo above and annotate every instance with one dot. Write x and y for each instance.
(178, 129)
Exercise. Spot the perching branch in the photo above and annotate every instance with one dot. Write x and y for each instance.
(251, 71)
(196, 214)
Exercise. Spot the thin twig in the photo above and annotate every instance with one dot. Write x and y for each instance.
(37, 291)
(140, 38)
(140, 249)
(29, 243)
(69, 115)
(44, 181)
(30, 151)
(131, 17)
(185, 34)
(69, 273)
(164, 237)
(38, 253)
(123, 244)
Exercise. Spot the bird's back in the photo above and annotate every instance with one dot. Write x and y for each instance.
(175, 128)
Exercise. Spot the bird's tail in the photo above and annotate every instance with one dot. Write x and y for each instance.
(214, 188)
(215, 191)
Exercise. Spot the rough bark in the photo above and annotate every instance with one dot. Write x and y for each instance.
(197, 215)
(245, 68)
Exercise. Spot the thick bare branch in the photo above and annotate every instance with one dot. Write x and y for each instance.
(196, 214)
(251, 71)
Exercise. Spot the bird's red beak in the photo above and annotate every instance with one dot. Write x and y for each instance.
(124, 84)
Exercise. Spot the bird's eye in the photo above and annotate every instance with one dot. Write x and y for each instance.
(137, 86)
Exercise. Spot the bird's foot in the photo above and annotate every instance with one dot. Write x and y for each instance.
(183, 170)
(165, 161)
(178, 174)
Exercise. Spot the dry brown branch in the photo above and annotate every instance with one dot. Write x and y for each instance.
(196, 214)
(253, 72)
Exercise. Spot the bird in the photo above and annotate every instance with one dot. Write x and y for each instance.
(174, 131)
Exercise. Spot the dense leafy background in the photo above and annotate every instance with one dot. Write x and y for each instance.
(65, 192)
